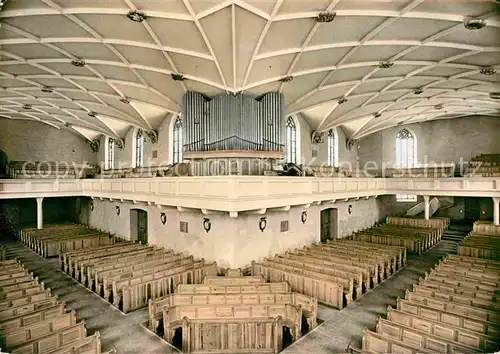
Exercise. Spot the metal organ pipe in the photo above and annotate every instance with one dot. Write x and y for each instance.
(229, 122)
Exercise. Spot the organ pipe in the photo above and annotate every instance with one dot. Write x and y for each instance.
(228, 122)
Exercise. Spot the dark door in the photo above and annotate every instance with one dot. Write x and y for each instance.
(326, 228)
(142, 226)
(472, 209)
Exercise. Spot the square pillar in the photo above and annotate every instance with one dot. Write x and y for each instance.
(427, 207)
(496, 211)
(39, 213)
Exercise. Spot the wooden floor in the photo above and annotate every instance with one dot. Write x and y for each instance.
(126, 333)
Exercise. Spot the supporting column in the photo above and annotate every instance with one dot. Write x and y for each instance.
(39, 213)
(427, 207)
(496, 211)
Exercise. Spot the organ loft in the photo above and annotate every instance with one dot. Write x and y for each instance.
(249, 176)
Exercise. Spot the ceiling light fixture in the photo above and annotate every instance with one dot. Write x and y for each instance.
(2, 2)
(418, 91)
(474, 23)
(488, 71)
(325, 17)
(136, 16)
(342, 100)
(377, 115)
(178, 77)
(79, 63)
(125, 100)
(438, 106)
(47, 89)
(92, 114)
(386, 65)
(495, 95)
(27, 106)
(287, 78)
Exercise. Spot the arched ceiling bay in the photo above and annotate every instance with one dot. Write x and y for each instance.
(372, 65)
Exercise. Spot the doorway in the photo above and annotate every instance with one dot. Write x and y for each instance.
(472, 209)
(139, 225)
(328, 221)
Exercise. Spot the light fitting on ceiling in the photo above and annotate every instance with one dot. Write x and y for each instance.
(287, 78)
(136, 16)
(79, 63)
(178, 77)
(124, 100)
(67, 125)
(377, 115)
(324, 17)
(2, 2)
(386, 65)
(27, 106)
(474, 23)
(92, 114)
(488, 71)
(342, 100)
(418, 91)
(47, 89)
(495, 95)
(438, 106)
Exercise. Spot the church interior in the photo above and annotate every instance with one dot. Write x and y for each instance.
(249, 176)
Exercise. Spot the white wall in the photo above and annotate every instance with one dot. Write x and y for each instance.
(234, 242)
(437, 141)
(33, 141)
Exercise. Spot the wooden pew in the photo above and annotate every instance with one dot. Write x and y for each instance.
(52, 341)
(489, 328)
(444, 330)
(155, 306)
(327, 292)
(421, 339)
(38, 329)
(376, 343)
(219, 281)
(53, 309)
(173, 316)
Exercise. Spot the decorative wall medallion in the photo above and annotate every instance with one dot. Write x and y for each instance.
(262, 224)
(117, 208)
(303, 217)
(317, 137)
(119, 143)
(207, 224)
(349, 209)
(152, 136)
(163, 218)
(94, 145)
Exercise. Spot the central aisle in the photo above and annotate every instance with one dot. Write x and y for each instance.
(119, 331)
(343, 327)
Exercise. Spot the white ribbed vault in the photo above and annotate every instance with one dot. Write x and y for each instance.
(247, 46)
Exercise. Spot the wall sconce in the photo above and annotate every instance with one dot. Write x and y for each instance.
(262, 224)
(117, 208)
(303, 217)
(163, 218)
(207, 224)
(349, 209)
(91, 206)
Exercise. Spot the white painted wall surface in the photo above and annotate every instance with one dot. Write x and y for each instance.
(233, 242)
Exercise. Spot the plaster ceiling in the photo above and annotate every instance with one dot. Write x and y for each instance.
(247, 46)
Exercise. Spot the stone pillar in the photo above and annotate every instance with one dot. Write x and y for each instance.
(496, 211)
(427, 207)
(39, 213)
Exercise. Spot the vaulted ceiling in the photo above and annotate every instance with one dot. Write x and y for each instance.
(86, 65)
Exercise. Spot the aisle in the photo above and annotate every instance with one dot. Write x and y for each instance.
(343, 327)
(119, 331)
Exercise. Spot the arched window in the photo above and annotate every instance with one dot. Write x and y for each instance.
(405, 158)
(333, 159)
(177, 140)
(109, 159)
(291, 141)
(139, 148)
